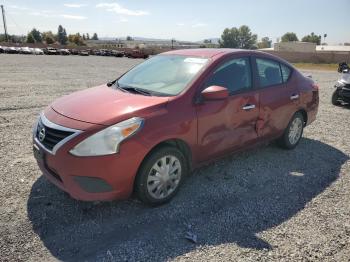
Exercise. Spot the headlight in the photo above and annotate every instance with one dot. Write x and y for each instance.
(106, 141)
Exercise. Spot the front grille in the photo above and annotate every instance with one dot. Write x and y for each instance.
(49, 137)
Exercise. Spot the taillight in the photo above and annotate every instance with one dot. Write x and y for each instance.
(315, 86)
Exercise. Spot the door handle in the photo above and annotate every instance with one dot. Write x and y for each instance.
(294, 97)
(248, 107)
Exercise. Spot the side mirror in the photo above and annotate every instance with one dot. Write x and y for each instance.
(215, 93)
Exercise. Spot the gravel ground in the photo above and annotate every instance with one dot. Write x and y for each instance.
(262, 205)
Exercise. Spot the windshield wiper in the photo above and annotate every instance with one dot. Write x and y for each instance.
(136, 90)
(129, 88)
(109, 84)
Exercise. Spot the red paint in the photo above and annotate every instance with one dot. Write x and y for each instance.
(215, 93)
(212, 124)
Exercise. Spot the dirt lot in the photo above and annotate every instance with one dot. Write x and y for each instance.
(262, 205)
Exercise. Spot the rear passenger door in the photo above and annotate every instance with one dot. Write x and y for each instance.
(279, 98)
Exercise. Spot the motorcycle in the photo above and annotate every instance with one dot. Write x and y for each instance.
(341, 93)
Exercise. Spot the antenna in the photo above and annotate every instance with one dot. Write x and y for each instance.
(4, 21)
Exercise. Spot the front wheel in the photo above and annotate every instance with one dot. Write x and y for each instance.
(335, 98)
(161, 175)
(293, 132)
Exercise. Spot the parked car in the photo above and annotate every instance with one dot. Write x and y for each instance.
(25, 50)
(12, 50)
(83, 53)
(6, 49)
(2, 50)
(137, 53)
(105, 52)
(145, 131)
(341, 93)
(74, 51)
(51, 51)
(37, 51)
(96, 52)
(63, 52)
(117, 53)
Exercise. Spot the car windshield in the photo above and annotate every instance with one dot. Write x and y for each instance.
(163, 74)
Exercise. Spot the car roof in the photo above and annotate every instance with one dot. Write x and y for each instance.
(220, 52)
(204, 52)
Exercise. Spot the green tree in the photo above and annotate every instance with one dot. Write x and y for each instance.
(289, 37)
(87, 36)
(312, 38)
(265, 43)
(65, 38)
(129, 38)
(62, 35)
(34, 36)
(49, 37)
(94, 37)
(240, 37)
(76, 39)
(30, 39)
(2, 38)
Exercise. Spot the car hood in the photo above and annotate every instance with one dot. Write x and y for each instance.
(106, 106)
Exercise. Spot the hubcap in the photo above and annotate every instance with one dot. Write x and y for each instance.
(295, 131)
(164, 177)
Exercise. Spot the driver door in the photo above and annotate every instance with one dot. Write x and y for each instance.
(229, 124)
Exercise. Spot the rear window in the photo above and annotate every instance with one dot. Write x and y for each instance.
(286, 71)
(269, 72)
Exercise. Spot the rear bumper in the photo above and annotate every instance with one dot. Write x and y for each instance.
(312, 107)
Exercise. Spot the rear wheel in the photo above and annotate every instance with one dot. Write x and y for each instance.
(335, 98)
(293, 132)
(161, 175)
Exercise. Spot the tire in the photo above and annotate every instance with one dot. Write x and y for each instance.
(296, 127)
(335, 98)
(156, 188)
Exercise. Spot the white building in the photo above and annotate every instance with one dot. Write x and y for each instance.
(295, 47)
(334, 48)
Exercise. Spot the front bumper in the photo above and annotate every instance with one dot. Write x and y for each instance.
(91, 178)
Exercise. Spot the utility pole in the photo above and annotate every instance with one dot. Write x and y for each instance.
(4, 21)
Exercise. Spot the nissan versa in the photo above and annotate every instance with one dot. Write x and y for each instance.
(145, 131)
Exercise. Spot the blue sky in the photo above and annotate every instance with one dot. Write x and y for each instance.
(182, 19)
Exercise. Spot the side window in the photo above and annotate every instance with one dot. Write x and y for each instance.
(285, 72)
(235, 75)
(269, 72)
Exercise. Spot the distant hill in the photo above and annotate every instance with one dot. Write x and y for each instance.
(214, 40)
(138, 38)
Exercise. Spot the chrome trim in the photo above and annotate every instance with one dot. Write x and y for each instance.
(294, 97)
(35, 127)
(52, 125)
(248, 107)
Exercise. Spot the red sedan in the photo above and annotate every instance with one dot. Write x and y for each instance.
(148, 129)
